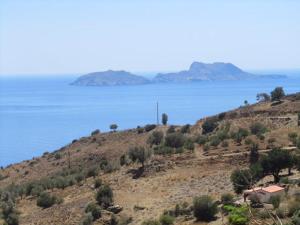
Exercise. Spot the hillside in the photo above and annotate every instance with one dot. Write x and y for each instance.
(110, 78)
(190, 161)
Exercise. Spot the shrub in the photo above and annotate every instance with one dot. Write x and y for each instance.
(263, 97)
(254, 155)
(227, 199)
(12, 219)
(104, 196)
(45, 200)
(258, 128)
(94, 209)
(155, 138)
(97, 183)
(164, 150)
(150, 127)
(151, 222)
(57, 156)
(189, 144)
(215, 141)
(237, 215)
(206, 147)
(293, 206)
(209, 125)
(171, 129)
(185, 129)
(293, 137)
(164, 119)
(275, 201)
(248, 141)
(166, 220)
(87, 219)
(92, 172)
(95, 132)
(204, 208)
(139, 154)
(174, 140)
(277, 94)
(201, 139)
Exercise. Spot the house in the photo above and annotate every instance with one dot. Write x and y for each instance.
(264, 194)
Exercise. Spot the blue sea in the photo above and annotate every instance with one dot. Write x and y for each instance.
(44, 113)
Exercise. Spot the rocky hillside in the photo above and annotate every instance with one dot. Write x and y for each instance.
(149, 170)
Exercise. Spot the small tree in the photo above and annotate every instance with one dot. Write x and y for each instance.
(104, 196)
(254, 155)
(113, 127)
(276, 161)
(263, 97)
(204, 208)
(208, 126)
(275, 201)
(164, 119)
(277, 94)
(241, 180)
(139, 154)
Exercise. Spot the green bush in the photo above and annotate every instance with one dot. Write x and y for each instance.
(45, 200)
(57, 155)
(97, 183)
(237, 215)
(139, 154)
(174, 140)
(189, 144)
(185, 129)
(204, 208)
(171, 129)
(201, 139)
(12, 219)
(166, 220)
(241, 180)
(164, 150)
(155, 138)
(215, 141)
(94, 209)
(227, 199)
(275, 201)
(151, 222)
(277, 94)
(95, 132)
(104, 196)
(258, 128)
(209, 126)
(87, 219)
(164, 119)
(149, 127)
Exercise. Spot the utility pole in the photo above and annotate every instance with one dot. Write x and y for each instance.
(157, 116)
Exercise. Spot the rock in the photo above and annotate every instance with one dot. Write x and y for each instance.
(115, 209)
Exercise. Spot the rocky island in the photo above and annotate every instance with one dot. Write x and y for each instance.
(110, 78)
(198, 71)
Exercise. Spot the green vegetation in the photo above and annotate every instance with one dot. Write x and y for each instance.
(174, 140)
(237, 215)
(139, 154)
(263, 97)
(227, 199)
(204, 208)
(185, 129)
(209, 126)
(277, 94)
(166, 220)
(149, 127)
(45, 200)
(241, 180)
(258, 129)
(113, 127)
(254, 155)
(164, 119)
(95, 132)
(104, 196)
(275, 201)
(87, 219)
(155, 138)
(94, 209)
(151, 222)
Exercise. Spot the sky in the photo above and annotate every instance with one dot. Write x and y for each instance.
(80, 36)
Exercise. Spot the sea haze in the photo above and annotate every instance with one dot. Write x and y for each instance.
(43, 113)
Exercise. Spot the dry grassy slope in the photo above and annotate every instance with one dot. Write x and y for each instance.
(181, 176)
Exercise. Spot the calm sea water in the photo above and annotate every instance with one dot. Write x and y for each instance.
(39, 114)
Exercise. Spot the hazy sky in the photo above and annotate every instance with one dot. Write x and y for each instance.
(78, 36)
